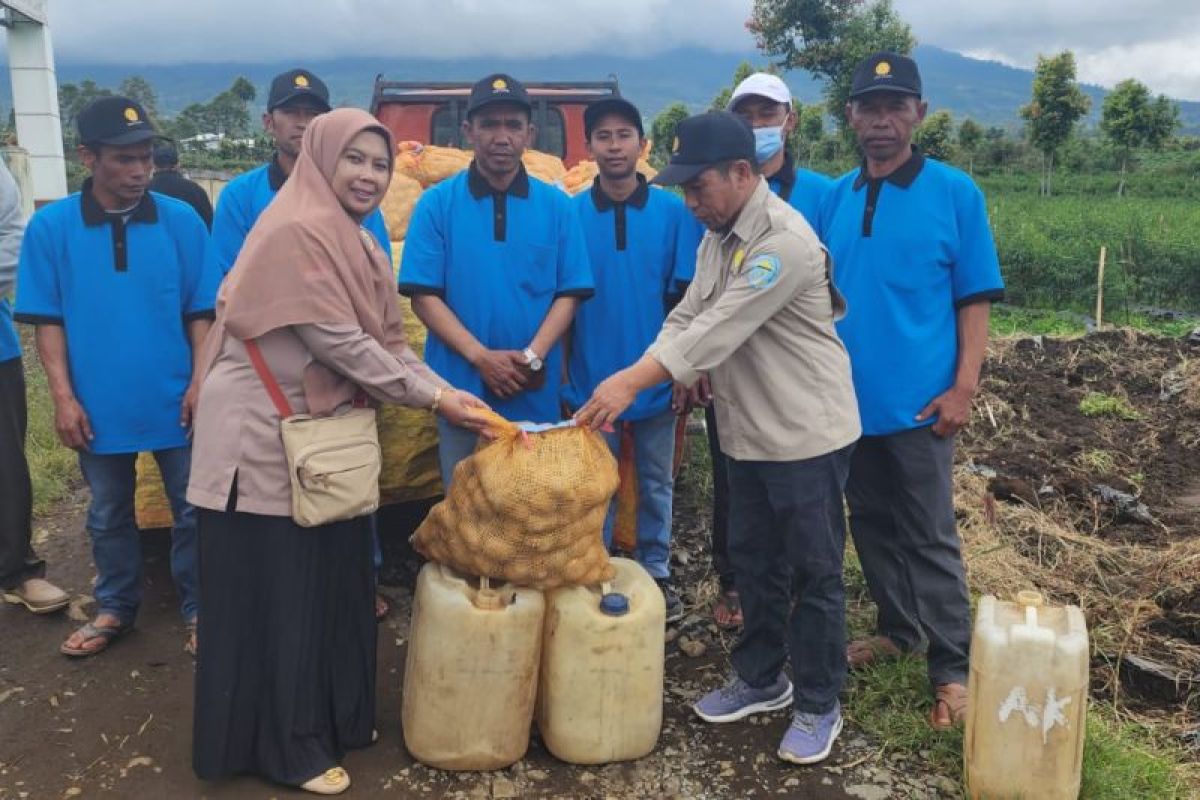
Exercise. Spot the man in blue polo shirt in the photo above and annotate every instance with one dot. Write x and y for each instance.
(114, 278)
(296, 97)
(21, 571)
(642, 247)
(764, 101)
(913, 255)
(496, 265)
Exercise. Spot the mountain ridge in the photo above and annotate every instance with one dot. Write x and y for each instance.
(989, 92)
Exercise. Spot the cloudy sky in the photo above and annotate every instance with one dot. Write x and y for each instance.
(1156, 41)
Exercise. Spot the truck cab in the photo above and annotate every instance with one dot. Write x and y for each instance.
(433, 113)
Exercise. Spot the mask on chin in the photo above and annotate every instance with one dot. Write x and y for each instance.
(767, 142)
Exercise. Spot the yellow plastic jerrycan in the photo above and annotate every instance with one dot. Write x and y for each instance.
(470, 680)
(600, 697)
(1028, 700)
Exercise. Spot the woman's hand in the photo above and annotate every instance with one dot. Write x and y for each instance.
(458, 408)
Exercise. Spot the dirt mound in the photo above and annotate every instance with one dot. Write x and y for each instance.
(1080, 475)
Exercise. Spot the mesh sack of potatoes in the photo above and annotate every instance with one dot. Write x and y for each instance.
(527, 508)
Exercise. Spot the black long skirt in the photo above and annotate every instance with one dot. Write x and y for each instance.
(285, 674)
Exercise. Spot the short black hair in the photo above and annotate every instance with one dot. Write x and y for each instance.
(165, 155)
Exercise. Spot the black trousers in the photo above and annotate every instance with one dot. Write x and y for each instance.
(786, 540)
(901, 499)
(18, 562)
(285, 673)
(720, 502)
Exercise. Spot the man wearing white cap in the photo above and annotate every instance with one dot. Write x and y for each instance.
(764, 101)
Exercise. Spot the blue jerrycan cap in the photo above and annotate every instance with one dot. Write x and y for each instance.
(614, 604)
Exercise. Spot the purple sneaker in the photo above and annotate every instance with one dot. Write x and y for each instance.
(738, 700)
(810, 737)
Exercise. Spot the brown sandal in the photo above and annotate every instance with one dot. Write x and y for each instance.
(862, 653)
(949, 707)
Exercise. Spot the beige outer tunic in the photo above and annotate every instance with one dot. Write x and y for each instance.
(759, 319)
(237, 426)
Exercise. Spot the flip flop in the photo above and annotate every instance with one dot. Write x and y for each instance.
(91, 632)
(729, 603)
(953, 698)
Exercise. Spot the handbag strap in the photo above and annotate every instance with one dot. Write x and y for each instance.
(264, 373)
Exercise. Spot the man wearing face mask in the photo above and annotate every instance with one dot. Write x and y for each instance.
(765, 102)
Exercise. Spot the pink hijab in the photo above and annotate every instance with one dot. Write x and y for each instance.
(307, 260)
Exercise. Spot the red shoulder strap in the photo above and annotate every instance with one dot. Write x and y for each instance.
(264, 373)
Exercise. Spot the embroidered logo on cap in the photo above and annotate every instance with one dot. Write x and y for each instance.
(883, 69)
(301, 82)
(132, 115)
(499, 85)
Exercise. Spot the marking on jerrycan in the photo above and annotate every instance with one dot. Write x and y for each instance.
(1045, 717)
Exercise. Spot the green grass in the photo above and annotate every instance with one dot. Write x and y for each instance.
(1009, 320)
(53, 468)
(1098, 404)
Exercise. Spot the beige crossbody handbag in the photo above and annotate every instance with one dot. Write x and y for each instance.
(334, 462)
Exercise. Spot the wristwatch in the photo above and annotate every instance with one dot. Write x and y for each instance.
(532, 359)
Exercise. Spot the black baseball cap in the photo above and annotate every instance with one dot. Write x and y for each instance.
(165, 154)
(295, 84)
(703, 141)
(114, 120)
(611, 105)
(498, 88)
(885, 72)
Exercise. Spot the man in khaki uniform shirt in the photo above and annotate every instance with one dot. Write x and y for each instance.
(759, 319)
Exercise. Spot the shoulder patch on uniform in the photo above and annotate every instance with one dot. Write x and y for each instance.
(763, 271)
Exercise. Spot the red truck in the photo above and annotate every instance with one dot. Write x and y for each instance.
(433, 113)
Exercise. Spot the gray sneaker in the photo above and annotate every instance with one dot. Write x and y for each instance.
(810, 737)
(738, 700)
(674, 604)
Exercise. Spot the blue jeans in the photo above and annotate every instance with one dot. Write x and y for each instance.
(116, 543)
(454, 444)
(654, 454)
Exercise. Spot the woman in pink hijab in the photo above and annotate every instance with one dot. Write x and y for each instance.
(285, 674)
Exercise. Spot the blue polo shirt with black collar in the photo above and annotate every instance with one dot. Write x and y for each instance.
(803, 189)
(499, 259)
(124, 287)
(244, 199)
(643, 256)
(909, 250)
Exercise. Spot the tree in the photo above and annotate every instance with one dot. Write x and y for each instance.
(73, 99)
(1129, 119)
(1057, 104)
(812, 129)
(935, 136)
(139, 90)
(721, 101)
(828, 38)
(662, 131)
(970, 135)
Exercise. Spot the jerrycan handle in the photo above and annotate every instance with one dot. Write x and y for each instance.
(1032, 601)
(487, 598)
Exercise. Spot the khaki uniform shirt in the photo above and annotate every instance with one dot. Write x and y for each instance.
(758, 319)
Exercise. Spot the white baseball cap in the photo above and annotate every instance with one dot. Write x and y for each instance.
(761, 84)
